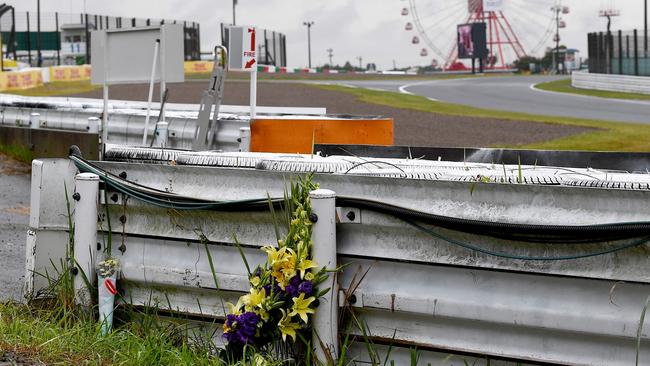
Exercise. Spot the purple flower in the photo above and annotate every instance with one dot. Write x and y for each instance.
(276, 289)
(292, 287)
(242, 328)
(306, 288)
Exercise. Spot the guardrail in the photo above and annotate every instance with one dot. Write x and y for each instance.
(420, 290)
(611, 82)
(127, 119)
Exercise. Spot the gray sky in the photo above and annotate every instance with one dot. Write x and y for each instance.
(372, 29)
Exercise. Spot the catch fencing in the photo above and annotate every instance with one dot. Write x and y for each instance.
(623, 53)
(421, 291)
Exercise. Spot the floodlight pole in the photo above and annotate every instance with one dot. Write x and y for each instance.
(308, 25)
(234, 5)
(39, 60)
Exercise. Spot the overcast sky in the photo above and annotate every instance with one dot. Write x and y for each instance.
(372, 29)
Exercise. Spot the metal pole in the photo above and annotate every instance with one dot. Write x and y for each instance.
(620, 52)
(152, 81)
(87, 40)
(309, 43)
(234, 19)
(557, 40)
(39, 61)
(636, 53)
(325, 337)
(645, 28)
(86, 249)
(29, 43)
(13, 33)
(58, 39)
(308, 24)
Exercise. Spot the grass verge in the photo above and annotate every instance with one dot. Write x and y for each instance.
(18, 152)
(43, 336)
(58, 88)
(564, 86)
(608, 136)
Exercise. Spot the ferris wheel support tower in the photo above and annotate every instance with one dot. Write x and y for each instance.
(500, 35)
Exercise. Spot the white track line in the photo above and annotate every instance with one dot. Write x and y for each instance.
(403, 89)
(535, 88)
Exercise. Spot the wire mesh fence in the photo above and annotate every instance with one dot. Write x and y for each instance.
(620, 52)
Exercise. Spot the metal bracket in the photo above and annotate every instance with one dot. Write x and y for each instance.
(347, 215)
(114, 198)
(208, 120)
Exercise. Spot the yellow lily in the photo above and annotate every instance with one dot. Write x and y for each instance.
(255, 281)
(301, 307)
(304, 265)
(276, 257)
(235, 309)
(254, 299)
(287, 327)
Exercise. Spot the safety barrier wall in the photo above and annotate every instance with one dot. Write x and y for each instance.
(69, 73)
(20, 80)
(611, 82)
(419, 290)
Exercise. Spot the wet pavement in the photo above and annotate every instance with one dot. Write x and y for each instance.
(14, 221)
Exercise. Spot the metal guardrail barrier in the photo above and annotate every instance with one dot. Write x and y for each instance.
(420, 290)
(127, 119)
(610, 82)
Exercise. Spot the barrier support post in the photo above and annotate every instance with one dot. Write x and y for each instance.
(325, 337)
(35, 121)
(244, 139)
(85, 249)
(161, 135)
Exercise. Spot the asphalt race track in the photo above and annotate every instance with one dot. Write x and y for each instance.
(515, 94)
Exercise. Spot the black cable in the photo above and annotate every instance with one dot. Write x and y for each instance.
(519, 232)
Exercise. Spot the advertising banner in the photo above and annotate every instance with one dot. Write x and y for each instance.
(472, 41)
(19, 80)
(70, 73)
(198, 67)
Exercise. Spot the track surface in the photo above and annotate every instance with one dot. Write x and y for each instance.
(515, 94)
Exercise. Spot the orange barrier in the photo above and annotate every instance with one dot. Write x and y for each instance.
(70, 73)
(299, 135)
(20, 80)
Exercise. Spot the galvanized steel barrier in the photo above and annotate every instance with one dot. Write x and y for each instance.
(127, 119)
(419, 291)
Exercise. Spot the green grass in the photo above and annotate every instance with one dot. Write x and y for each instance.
(564, 86)
(45, 336)
(18, 152)
(58, 88)
(607, 136)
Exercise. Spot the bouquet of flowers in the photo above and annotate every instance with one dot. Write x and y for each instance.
(284, 290)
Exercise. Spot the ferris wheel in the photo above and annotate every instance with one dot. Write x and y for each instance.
(514, 28)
